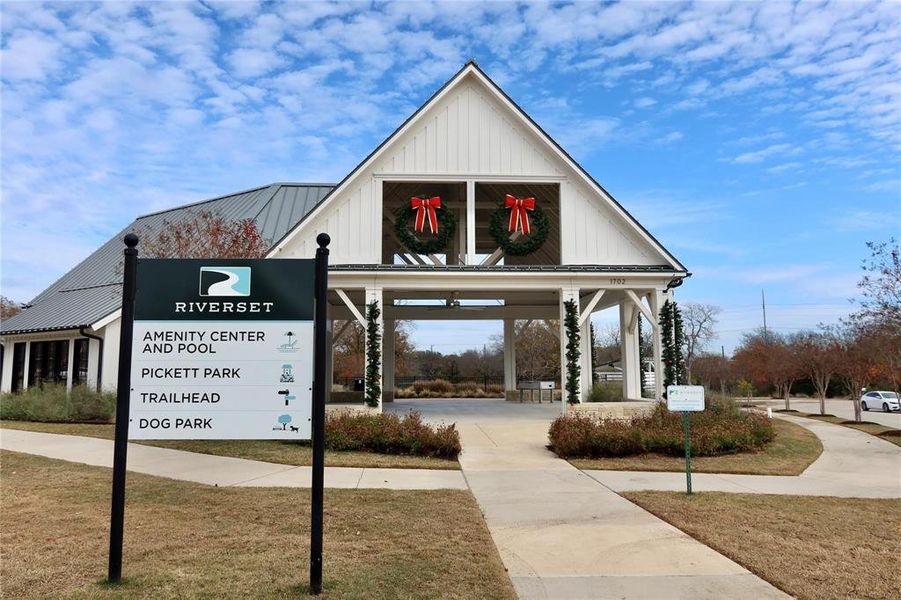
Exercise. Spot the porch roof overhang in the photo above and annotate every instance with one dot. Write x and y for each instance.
(503, 277)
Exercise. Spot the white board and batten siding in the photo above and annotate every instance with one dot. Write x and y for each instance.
(596, 235)
(469, 133)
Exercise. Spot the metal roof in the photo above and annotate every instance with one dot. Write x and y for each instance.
(93, 288)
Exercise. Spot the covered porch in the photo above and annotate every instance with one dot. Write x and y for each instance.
(505, 293)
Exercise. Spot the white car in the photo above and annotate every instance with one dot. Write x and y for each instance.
(887, 401)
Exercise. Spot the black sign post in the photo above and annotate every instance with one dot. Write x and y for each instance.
(318, 412)
(120, 450)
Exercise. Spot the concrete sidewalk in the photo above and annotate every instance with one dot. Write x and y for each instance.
(562, 535)
(221, 470)
(854, 464)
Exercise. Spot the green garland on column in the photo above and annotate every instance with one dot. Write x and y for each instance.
(573, 337)
(594, 344)
(668, 347)
(678, 343)
(373, 354)
(643, 377)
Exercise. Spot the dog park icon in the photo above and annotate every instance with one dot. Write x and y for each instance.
(224, 281)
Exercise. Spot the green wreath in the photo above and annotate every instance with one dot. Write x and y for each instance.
(432, 244)
(539, 225)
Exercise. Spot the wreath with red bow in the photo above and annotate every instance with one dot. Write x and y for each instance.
(424, 226)
(521, 215)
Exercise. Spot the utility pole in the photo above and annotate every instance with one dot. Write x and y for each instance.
(766, 337)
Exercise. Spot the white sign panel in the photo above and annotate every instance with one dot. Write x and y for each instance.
(685, 398)
(218, 359)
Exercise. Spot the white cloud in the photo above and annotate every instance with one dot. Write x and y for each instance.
(764, 153)
(644, 102)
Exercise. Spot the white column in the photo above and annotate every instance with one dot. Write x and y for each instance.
(629, 352)
(566, 294)
(110, 356)
(26, 366)
(510, 360)
(69, 363)
(7, 366)
(388, 362)
(656, 301)
(93, 363)
(587, 378)
(471, 222)
(374, 294)
(329, 358)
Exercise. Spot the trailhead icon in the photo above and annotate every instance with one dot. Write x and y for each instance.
(287, 373)
(291, 344)
(288, 395)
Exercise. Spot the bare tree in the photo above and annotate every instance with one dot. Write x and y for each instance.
(8, 308)
(699, 328)
(820, 356)
(204, 235)
(880, 286)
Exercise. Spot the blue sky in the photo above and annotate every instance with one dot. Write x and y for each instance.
(758, 141)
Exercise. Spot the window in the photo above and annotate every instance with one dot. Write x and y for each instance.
(48, 362)
(80, 368)
(18, 366)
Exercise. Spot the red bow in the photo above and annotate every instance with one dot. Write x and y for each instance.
(423, 206)
(519, 218)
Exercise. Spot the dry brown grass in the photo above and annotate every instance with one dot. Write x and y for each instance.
(793, 450)
(190, 540)
(274, 451)
(811, 547)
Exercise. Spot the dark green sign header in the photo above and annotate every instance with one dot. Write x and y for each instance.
(224, 290)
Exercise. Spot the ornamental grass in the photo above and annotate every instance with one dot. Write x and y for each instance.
(391, 434)
(722, 428)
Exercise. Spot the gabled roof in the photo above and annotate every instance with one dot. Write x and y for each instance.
(93, 288)
(472, 68)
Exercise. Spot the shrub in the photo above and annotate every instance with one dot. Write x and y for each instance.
(434, 386)
(721, 429)
(51, 403)
(441, 388)
(391, 434)
(605, 392)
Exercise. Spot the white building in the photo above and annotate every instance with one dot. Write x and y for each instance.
(469, 145)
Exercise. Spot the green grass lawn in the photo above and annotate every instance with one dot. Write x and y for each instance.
(793, 450)
(274, 451)
(814, 548)
(190, 540)
(889, 434)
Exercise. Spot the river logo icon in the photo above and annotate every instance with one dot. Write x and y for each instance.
(224, 281)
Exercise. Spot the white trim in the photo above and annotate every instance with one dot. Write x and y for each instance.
(471, 70)
(470, 222)
(561, 156)
(586, 312)
(107, 320)
(70, 360)
(350, 305)
(644, 310)
(468, 177)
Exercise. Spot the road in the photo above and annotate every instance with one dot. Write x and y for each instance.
(841, 408)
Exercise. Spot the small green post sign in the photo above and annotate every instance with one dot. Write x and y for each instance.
(686, 399)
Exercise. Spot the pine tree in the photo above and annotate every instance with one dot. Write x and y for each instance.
(668, 353)
(679, 346)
